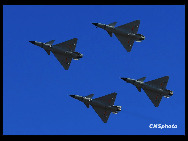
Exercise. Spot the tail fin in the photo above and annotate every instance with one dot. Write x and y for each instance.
(112, 24)
(48, 51)
(87, 104)
(142, 79)
(50, 42)
(139, 89)
(110, 33)
(90, 96)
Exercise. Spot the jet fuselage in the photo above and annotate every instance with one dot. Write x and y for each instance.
(96, 103)
(139, 84)
(54, 49)
(108, 28)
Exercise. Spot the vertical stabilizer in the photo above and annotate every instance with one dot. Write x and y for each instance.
(90, 96)
(87, 104)
(113, 24)
(142, 79)
(139, 89)
(50, 42)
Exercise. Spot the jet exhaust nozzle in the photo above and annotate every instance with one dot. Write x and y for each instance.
(170, 93)
(118, 108)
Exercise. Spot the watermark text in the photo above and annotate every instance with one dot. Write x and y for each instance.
(162, 126)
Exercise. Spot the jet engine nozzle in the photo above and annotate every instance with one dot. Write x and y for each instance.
(170, 93)
(118, 108)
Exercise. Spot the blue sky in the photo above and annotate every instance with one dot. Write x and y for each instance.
(36, 87)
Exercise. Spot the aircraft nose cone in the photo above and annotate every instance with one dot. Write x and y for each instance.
(32, 42)
(95, 24)
(125, 79)
(72, 96)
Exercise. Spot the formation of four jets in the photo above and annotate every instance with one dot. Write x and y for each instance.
(126, 34)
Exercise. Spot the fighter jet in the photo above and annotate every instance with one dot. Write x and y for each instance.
(64, 52)
(126, 33)
(103, 106)
(155, 89)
